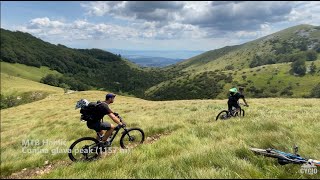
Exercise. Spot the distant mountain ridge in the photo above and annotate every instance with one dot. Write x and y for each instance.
(149, 61)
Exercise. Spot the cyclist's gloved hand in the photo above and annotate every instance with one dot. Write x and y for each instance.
(123, 125)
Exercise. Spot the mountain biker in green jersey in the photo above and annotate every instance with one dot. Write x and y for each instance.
(234, 97)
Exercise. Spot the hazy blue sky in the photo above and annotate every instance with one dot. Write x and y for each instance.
(155, 25)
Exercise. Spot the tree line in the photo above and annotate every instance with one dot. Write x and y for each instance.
(82, 69)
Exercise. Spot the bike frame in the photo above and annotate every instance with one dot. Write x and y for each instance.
(291, 158)
(289, 155)
(99, 146)
(296, 158)
(114, 133)
(233, 111)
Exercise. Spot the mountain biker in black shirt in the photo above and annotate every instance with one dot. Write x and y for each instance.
(234, 97)
(105, 129)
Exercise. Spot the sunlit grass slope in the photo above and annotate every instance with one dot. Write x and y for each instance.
(197, 146)
(273, 79)
(26, 72)
(11, 84)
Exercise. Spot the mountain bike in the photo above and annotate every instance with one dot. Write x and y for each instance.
(285, 158)
(225, 114)
(89, 148)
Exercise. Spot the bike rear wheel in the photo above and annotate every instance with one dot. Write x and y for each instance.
(223, 115)
(84, 149)
(131, 138)
(265, 152)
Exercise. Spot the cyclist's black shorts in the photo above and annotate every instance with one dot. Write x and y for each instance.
(233, 104)
(98, 126)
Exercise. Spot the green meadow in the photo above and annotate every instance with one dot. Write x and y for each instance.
(195, 146)
(26, 72)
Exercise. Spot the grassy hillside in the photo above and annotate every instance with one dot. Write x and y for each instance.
(11, 84)
(16, 91)
(195, 146)
(289, 41)
(26, 72)
(261, 65)
(82, 69)
(273, 80)
(263, 81)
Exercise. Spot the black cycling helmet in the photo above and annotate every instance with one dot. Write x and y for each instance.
(110, 95)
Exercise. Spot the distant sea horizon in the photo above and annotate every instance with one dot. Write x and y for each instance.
(172, 54)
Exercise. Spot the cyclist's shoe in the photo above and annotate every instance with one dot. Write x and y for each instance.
(104, 146)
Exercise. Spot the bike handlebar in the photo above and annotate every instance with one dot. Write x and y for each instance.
(116, 114)
(316, 162)
(243, 104)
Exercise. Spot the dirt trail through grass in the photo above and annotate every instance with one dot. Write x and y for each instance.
(30, 173)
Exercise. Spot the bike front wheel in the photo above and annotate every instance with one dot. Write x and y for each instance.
(131, 138)
(223, 115)
(84, 149)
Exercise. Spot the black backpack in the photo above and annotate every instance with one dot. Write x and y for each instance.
(90, 112)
